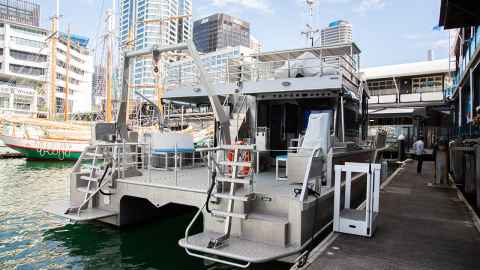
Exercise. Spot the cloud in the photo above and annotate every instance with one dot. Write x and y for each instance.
(368, 5)
(359, 6)
(261, 5)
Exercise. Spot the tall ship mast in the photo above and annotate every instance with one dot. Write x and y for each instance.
(40, 138)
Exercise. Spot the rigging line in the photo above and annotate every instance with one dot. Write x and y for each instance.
(100, 16)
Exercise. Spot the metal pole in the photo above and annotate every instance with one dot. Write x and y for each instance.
(343, 118)
(175, 167)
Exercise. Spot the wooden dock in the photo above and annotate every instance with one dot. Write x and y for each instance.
(420, 227)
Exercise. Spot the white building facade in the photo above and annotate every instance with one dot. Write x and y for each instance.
(24, 72)
(166, 30)
(80, 77)
(24, 64)
(255, 44)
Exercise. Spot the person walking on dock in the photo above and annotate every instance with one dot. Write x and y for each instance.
(419, 147)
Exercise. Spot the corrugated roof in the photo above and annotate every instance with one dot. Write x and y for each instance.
(408, 69)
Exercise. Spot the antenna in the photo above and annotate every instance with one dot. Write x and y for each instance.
(310, 30)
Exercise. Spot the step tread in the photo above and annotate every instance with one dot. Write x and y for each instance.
(234, 180)
(86, 190)
(238, 163)
(88, 178)
(268, 217)
(227, 214)
(239, 147)
(238, 197)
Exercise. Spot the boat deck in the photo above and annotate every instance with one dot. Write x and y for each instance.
(238, 249)
(196, 180)
(58, 208)
(419, 227)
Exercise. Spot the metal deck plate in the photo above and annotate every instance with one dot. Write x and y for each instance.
(58, 208)
(238, 249)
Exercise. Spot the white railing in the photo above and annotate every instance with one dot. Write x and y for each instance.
(407, 98)
(251, 69)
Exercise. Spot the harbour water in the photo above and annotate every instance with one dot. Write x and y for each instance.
(29, 239)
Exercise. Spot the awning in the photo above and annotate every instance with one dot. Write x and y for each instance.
(459, 13)
(397, 112)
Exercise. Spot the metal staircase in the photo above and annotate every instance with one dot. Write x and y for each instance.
(106, 162)
(232, 177)
(95, 179)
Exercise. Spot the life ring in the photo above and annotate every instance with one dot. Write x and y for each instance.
(246, 157)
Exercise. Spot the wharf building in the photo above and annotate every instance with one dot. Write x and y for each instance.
(220, 30)
(466, 81)
(461, 18)
(148, 23)
(410, 99)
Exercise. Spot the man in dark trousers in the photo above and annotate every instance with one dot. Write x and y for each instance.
(419, 148)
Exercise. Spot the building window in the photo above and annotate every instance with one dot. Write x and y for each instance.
(4, 102)
(22, 103)
(27, 70)
(28, 42)
(382, 87)
(26, 56)
(427, 84)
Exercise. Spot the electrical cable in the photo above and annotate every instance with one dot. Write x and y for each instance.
(109, 165)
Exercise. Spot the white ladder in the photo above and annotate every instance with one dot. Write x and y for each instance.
(234, 178)
(93, 178)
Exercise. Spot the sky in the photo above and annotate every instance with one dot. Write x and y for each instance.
(387, 31)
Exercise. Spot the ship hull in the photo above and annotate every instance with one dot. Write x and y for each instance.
(46, 149)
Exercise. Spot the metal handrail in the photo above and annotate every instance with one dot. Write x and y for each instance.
(307, 172)
(256, 70)
(200, 210)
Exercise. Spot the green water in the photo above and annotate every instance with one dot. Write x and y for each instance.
(29, 239)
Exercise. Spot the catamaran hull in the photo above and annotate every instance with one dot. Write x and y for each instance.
(45, 149)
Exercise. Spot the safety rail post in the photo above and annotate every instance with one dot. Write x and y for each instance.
(149, 165)
(307, 173)
(124, 156)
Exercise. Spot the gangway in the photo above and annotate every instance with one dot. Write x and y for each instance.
(356, 221)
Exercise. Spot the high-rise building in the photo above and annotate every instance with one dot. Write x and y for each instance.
(337, 33)
(255, 44)
(162, 28)
(20, 11)
(219, 31)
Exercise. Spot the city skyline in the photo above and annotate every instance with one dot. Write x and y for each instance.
(375, 24)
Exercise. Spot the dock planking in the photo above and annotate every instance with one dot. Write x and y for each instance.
(420, 227)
